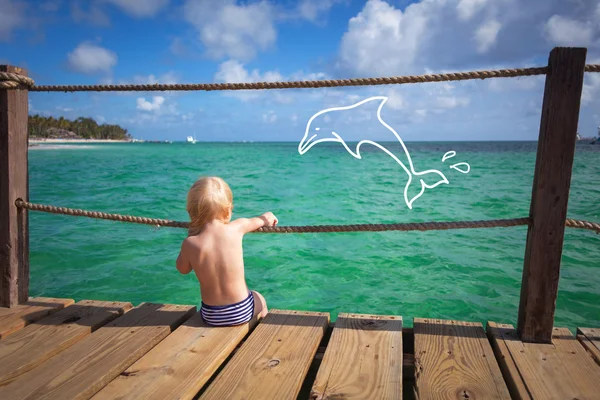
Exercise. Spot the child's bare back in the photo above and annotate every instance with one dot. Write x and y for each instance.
(213, 250)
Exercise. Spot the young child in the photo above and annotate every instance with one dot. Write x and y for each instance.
(213, 249)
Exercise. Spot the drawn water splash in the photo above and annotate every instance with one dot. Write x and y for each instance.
(451, 154)
(448, 155)
(404, 159)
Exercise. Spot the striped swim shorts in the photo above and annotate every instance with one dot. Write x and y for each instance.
(232, 314)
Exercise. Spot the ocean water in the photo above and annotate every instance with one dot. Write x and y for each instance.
(472, 275)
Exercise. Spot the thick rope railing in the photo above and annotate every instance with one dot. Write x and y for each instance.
(407, 226)
(15, 81)
(392, 80)
(9, 80)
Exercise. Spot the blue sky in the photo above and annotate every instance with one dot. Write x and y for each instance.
(195, 41)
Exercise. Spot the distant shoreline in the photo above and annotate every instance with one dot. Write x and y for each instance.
(54, 141)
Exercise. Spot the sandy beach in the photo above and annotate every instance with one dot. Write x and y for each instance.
(58, 141)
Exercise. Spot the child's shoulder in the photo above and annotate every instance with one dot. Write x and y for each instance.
(192, 241)
(236, 224)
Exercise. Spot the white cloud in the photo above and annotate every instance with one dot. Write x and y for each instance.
(269, 117)
(591, 86)
(383, 40)
(452, 101)
(234, 71)
(431, 36)
(157, 110)
(564, 31)
(591, 89)
(313, 10)
(311, 76)
(167, 78)
(466, 9)
(386, 39)
(395, 100)
(140, 8)
(12, 16)
(417, 116)
(230, 30)
(415, 102)
(145, 105)
(89, 58)
(100, 119)
(486, 34)
(421, 113)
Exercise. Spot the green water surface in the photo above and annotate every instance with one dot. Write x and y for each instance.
(470, 274)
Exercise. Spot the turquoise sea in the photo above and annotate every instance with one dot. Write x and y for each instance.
(470, 274)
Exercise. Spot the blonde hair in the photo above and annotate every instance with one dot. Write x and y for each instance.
(209, 198)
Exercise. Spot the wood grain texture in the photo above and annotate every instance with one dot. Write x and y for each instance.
(36, 343)
(363, 359)
(14, 184)
(509, 369)
(18, 317)
(559, 370)
(180, 365)
(590, 339)
(550, 193)
(454, 360)
(274, 360)
(87, 366)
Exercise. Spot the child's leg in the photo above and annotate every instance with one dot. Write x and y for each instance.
(260, 305)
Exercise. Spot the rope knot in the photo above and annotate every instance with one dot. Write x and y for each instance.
(10, 80)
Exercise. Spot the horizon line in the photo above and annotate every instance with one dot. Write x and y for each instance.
(349, 141)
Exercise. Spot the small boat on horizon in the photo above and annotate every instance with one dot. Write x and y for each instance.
(191, 139)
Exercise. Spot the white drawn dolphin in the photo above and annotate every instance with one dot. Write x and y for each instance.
(435, 177)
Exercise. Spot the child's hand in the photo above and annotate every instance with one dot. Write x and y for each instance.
(270, 218)
(246, 225)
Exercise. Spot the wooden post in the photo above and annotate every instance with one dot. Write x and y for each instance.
(14, 184)
(551, 182)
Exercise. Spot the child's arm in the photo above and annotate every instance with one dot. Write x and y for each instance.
(183, 262)
(251, 224)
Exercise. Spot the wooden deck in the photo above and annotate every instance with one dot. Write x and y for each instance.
(59, 349)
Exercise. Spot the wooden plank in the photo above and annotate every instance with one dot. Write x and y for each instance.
(509, 369)
(87, 366)
(550, 194)
(454, 360)
(18, 317)
(14, 184)
(559, 370)
(363, 359)
(180, 365)
(41, 340)
(274, 360)
(590, 341)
